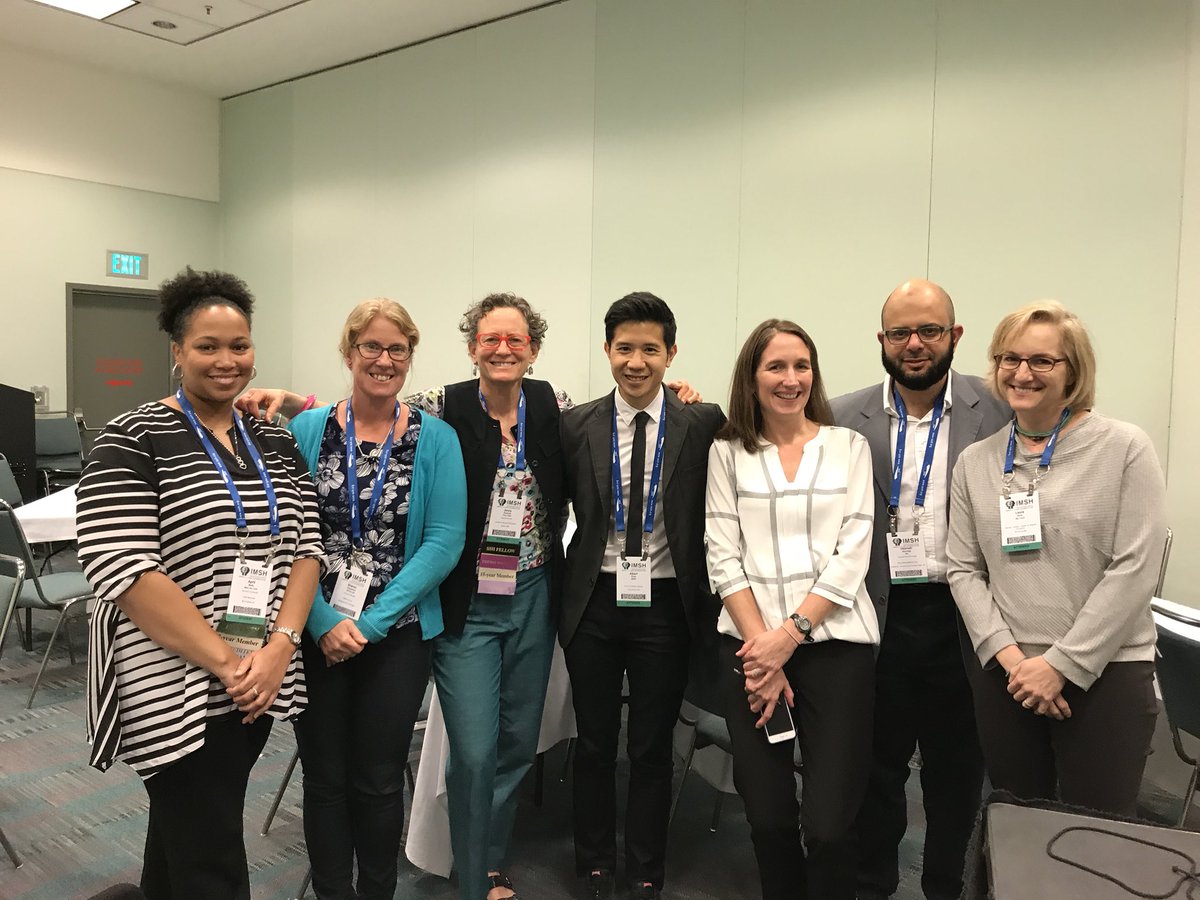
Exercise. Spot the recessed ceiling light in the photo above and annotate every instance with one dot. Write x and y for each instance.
(163, 23)
(95, 9)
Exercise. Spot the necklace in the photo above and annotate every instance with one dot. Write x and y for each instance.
(1040, 435)
(237, 457)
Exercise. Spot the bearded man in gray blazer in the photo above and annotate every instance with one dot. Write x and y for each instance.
(922, 693)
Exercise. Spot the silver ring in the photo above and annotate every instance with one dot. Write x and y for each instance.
(255, 691)
(1029, 703)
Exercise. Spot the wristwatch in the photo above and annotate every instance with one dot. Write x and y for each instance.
(292, 634)
(803, 625)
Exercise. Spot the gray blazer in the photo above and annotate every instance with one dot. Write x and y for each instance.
(976, 415)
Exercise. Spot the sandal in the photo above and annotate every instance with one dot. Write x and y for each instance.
(500, 880)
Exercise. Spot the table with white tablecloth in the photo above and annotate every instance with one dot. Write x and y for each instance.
(50, 518)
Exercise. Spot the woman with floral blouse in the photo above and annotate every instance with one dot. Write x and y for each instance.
(392, 500)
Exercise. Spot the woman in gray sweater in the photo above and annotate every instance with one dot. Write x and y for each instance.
(1057, 526)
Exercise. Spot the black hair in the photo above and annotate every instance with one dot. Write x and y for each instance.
(182, 295)
(640, 306)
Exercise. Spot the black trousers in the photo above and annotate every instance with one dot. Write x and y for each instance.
(354, 740)
(1095, 758)
(922, 699)
(195, 848)
(650, 645)
(834, 683)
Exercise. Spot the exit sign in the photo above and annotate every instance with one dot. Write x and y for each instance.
(123, 264)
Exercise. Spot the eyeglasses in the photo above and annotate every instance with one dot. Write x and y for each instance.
(491, 341)
(929, 334)
(1043, 364)
(372, 350)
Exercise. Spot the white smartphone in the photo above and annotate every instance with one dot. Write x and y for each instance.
(780, 727)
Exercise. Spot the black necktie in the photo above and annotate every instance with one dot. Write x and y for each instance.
(637, 481)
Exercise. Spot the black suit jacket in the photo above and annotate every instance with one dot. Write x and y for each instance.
(587, 447)
(975, 414)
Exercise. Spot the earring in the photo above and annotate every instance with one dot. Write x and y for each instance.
(529, 371)
(253, 372)
(177, 372)
(474, 371)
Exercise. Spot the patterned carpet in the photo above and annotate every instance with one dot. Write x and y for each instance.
(79, 830)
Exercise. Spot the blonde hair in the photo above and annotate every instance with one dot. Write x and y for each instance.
(1076, 347)
(360, 317)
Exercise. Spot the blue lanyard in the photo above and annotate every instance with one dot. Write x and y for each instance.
(352, 473)
(219, 464)
(655, 473)
(520, 463)
(1047, 453)
(935, 426)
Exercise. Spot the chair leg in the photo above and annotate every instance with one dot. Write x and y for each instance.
(687, 767)
(9, 615)
(1188, 795)
(567, 760)
(70, 643)
(539, 779)
(283, 786)
(46, 656)
(10, 850)
(716, 819)
(305, 883)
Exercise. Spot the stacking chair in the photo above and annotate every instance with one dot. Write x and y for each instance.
(60, 592)
(12, 576)
(59, 450)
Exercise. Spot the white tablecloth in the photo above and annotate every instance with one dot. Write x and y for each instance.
(428, 845)
(52, 518)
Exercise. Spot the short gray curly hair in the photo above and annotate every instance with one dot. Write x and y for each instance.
(469, 324)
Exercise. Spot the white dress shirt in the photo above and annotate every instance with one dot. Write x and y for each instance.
(933, 522)
(655, 545)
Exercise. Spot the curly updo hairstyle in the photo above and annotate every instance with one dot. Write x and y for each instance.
(182, 295)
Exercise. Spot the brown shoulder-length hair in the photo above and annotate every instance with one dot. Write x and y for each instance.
(745, 415)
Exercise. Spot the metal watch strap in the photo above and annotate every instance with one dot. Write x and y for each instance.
(291, 633)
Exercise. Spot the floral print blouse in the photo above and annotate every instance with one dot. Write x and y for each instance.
(383, 535)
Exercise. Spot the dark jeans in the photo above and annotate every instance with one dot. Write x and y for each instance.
(194, 844)
(834, 684)
(354, 740)
(922, 699)
(1095, 758)
(650, 645)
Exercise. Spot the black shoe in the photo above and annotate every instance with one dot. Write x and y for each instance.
(500, 880)
(644, 891)
(599, 885)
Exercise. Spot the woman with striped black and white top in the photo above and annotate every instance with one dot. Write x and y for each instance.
(789, 515)
(199, 533)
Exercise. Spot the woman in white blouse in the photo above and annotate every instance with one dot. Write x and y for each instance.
(789, 515)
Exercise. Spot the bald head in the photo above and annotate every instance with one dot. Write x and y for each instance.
(917, 296)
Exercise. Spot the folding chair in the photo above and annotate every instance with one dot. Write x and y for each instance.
(59, 592)
(59, 449)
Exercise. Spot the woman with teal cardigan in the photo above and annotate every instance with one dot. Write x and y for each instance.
(392, 500)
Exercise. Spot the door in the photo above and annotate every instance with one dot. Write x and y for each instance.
(117, 357)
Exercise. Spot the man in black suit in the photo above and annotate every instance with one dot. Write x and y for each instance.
(922, 695)
(636, 601)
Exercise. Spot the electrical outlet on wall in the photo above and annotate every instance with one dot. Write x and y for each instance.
(41, 398)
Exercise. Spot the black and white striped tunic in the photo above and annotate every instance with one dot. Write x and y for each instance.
(150, 500)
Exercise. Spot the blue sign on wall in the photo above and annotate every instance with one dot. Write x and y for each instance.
(123, 264)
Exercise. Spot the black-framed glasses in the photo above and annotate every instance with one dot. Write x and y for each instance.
(372, 350)
(929, 334)
(1039, 363)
